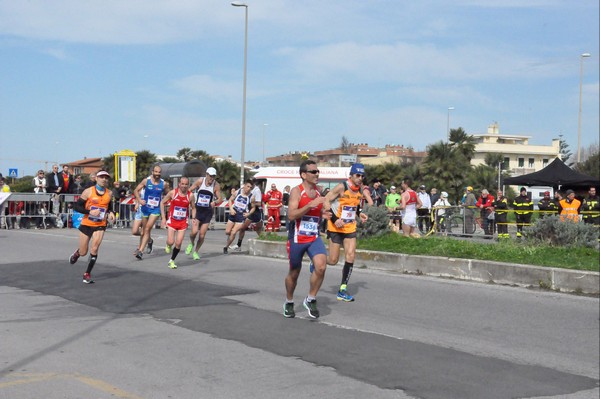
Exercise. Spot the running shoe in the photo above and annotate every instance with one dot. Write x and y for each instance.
(311, 267)
(288, 310)
(189, 249)
(343, 295)
(87, 279)
(168, 249)
(172, 264)
(73, 258)
(235, 247)
(195, 256)
(225, 250)
(149, 246)
(138, 254)
(313, 312)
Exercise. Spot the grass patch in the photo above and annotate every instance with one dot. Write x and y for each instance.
(509, 251)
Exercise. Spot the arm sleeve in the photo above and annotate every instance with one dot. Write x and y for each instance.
(79, 206)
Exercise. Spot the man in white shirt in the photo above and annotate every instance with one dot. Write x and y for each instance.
(424, 212)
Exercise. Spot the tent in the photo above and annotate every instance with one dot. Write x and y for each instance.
(556, 174)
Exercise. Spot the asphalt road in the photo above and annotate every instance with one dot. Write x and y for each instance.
(214, 329)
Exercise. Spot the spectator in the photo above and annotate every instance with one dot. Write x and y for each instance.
(78, 185)
(424, 212)
(39, 182)
(378, 192)
(501, 209)
(392, 201)
(546, 206)
(4, 188)
(91, 182)
(558, 196)
(433, 194)
(591, 208)
(441, 211)
(66, 180)
(523, 207)
(54, 181)
(486, 204)
(469, 204)
(570, 207)
(367, 197)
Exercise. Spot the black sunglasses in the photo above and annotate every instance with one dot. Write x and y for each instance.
(314, 172)
(359, 175)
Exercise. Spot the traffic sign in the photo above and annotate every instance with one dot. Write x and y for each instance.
(13, 173)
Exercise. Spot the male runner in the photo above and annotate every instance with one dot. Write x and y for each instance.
(180, 205)
(344, 203)
(255, 217)
(95, 204)
(208, 195)
(409, 205)
(150, 203)
(305, 212)
(241, 207)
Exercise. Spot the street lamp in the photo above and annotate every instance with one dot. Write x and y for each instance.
(239, 4)
(264, 131)
(581, 57)
(448, 124)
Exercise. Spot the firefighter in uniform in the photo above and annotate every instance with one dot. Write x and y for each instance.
(501, 207)
(274, 200)
(591, 208)
(523, 206)
(546, 206)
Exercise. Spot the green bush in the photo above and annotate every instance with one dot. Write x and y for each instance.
(553, 231)
(376, 225)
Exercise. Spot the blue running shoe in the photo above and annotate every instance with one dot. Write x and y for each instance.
(344, 296)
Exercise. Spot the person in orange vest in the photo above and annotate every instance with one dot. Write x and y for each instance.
(569, 207)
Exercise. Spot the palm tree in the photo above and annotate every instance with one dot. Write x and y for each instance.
(185, 154)
(483, 176)
(446, 168)
(228, 175)
(143, 163)
(462, 142)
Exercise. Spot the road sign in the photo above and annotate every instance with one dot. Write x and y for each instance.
(13, 173)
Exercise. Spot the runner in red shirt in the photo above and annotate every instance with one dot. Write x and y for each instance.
(180, 202)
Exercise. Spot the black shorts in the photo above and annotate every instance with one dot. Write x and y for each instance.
(90, 230)
(204, 214)
(338, 238)
(256, 216)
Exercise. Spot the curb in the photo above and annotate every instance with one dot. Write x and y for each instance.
(562, 280)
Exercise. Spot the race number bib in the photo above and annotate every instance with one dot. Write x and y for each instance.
(240, 204)
(153, 202)
(100, 216)
(203, 200)
(179, 213)
(348, 214)
(309, 226)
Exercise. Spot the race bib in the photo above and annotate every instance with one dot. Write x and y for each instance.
(348, 214)
(100, 216)
(309, 226)
(240, 204)
(203, 200)
(179, 213)
(153, 202)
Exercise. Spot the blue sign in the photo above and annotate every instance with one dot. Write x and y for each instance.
(13, 173)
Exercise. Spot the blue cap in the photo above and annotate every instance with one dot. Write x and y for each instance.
(357, 168)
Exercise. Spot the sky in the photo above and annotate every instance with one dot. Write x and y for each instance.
(89, 78)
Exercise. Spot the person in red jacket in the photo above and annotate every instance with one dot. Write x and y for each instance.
(274, 200)
(486, 204)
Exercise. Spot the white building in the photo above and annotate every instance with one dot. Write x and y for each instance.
(519, 157)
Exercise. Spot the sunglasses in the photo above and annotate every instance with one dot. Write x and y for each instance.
(359, 175)
(101, 177)
(312, 172)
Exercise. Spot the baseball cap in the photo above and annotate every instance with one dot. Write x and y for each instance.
(422, 186)
(357, 168)
(444, 194)
(569, 191)
(469, 188)
(102, 173)
(392, 187)
(546, 193)
(211, 171)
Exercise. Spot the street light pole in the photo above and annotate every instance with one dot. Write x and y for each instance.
(242, 161)
(448, 124)
(581, 57)
(264, 132)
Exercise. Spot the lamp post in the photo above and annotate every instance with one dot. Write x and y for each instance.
(448, 124)
(581, 57)
(239, 4)
(264, 132)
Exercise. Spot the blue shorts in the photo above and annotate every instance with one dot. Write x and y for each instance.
(204, 214)
(296, 251)
(146, 212)
(237, 218)
(257, 216)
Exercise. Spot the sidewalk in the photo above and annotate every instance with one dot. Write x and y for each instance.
(561, 280)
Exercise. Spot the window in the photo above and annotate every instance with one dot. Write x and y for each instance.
(531, 163)
(521, 162)
(544, 162)
(506, 163)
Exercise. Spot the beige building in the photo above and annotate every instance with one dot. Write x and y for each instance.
(520, 158)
